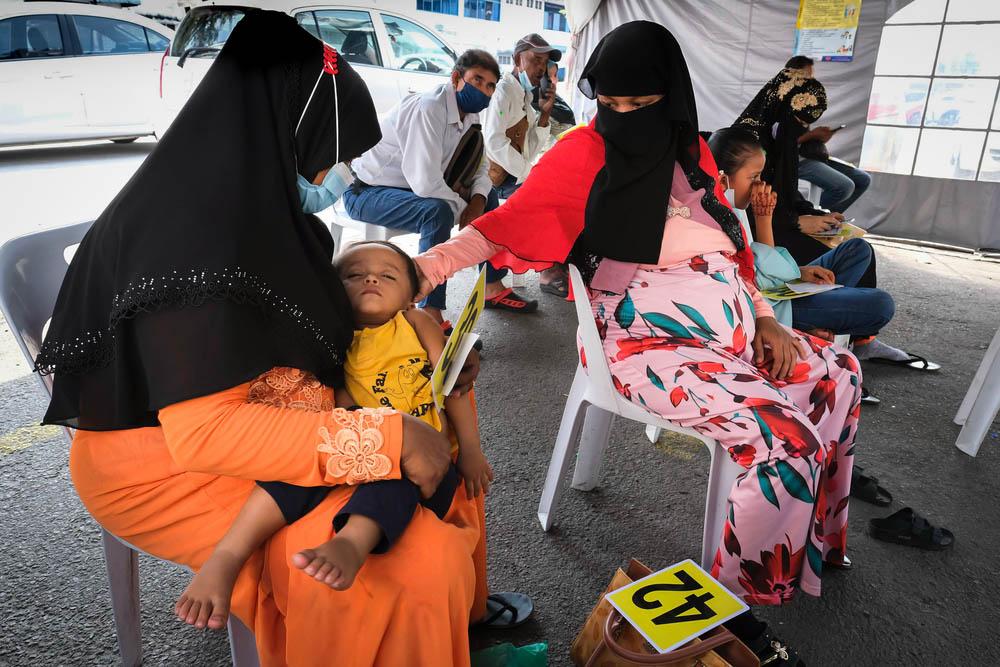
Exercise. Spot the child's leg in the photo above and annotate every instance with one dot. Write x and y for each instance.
(371, 521)
(205, 602)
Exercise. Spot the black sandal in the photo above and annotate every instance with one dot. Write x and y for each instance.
(511, 301)
(867, 489)
(868, 398)
(773, 651)
(909, 528)
(505, 611)
(915, 361)
(558, 287)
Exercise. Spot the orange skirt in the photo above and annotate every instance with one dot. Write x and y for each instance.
(410, 606)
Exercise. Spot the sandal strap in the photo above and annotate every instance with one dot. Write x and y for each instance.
(505, 607)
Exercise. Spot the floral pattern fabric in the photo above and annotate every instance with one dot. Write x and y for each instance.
(678, 343)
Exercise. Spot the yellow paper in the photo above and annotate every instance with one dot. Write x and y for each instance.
(454, 353)
(675, 605)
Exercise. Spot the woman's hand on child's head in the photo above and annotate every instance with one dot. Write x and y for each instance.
(476, 471)
(424, 287)
(762, 199)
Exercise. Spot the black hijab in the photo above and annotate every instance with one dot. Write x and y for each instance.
(204, 272)
(642, 146)
(790, 97)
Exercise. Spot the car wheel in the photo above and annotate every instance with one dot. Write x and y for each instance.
(124, 141)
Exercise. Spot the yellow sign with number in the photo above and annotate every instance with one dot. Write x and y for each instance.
(459, 343)
(676, 604)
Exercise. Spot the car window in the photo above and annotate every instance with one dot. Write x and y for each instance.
(30, 37)
(308, 21)
(417, 49)
(351, 33)
(157, 42)
(100, 36)
(207, 28)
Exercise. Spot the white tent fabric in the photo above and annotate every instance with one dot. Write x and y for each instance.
(732, 47)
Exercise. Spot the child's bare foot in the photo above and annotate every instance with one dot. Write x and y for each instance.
(334, 563)
(205, 601)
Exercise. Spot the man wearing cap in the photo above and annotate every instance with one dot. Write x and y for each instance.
(515, 133)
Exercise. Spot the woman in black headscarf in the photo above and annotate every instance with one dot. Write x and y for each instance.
(633, 201)
(195, 344)
(778, 116)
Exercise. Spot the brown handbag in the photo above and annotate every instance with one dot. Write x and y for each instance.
(516, 133)
(607, 639)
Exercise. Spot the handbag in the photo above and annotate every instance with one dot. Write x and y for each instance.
(814, 149)
(608, 640)
(461, 170)
(516, 134)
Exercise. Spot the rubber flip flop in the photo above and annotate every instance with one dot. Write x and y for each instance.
(505, 611)
(915, 361)
(868, 398)
(867, 489)
(511, 301)
(558, 287)
(909, 528)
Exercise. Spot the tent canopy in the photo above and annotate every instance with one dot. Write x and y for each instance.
(734, 46)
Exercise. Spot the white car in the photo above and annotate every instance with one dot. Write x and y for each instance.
(394, 55)
(71, 71)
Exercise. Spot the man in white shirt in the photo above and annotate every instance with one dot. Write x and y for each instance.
(515, 133)
(401, 181)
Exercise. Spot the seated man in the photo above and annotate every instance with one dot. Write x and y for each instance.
(401, 181)
(842, 183)
(516, 134)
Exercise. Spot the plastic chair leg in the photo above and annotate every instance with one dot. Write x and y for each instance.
(981, 413)
(338, 235)
(593, 443)
(976, 387)
(653, 433)
(242, 645)
(123, 579)
(721, 476)
(569, 431)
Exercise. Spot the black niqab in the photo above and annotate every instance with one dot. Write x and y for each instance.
(628, 201)
(204, 272)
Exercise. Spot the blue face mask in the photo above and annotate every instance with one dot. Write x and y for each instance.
(471, 99)
(525, 81)
(315, 198)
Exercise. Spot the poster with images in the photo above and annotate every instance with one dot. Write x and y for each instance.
(825, 29)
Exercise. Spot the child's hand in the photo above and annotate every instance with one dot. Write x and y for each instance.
(762, 199)
(476, 471)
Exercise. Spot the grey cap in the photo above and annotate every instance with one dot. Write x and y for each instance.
(535, 42)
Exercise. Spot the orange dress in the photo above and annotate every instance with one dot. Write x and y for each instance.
(174, 490)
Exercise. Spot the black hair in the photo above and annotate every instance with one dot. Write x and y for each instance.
(477, 58)
(732, 147)
(799, 62)
(411, 266)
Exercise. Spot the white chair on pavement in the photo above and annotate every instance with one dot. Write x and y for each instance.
(338, 219)
(982, 402)
(32, 268)
(594, 394)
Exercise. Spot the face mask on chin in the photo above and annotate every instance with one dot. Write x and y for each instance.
(315, 198)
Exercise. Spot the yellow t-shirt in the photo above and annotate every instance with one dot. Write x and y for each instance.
(388, 367)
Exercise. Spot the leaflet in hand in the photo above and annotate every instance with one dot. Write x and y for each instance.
(459, 343)
(796, 290)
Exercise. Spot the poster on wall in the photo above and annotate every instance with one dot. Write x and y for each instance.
(825, 29)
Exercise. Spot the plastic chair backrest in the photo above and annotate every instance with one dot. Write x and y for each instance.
(32, 269)
(593, 350)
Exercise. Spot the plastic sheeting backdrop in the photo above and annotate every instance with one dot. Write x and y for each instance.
(919, 100)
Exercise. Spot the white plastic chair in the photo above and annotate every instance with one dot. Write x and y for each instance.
(594, 394)
(338, 219)
(32, 268)
(981, 403)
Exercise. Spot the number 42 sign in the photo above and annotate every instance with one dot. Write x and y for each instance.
(676, 604)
